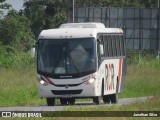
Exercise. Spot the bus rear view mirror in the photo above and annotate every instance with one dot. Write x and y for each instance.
(101, 49)
(32, 52)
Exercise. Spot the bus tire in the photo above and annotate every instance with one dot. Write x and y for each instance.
(97, 100)
(114, 97)
(50, 101)
(71, 101)
(102, 88)
(106, 99)
(63, 101)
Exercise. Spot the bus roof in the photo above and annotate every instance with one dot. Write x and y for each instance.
(78, 30)
(82, 25)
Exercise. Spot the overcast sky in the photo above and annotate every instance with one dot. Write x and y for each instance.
(16, 4)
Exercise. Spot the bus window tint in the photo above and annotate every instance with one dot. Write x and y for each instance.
(114, 45)
(110, 46)
(102, 42)
(118, 47)
(123, 50)
(106, 46)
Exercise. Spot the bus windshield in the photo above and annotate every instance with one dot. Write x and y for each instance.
(66, 56)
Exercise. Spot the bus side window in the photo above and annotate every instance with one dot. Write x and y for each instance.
(123, 50)
(120, 45)
(105, 46)
(113, 45)
(117, 46)
(116, 50)
(101, 42)
(100, 37)
(110, 46)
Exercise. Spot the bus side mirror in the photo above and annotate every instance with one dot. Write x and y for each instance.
(101, 49)
(33, 52)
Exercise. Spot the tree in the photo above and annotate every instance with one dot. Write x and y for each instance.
(15, 31)
(44, 14)
(115, 3)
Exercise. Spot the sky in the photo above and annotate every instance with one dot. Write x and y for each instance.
(16, 4)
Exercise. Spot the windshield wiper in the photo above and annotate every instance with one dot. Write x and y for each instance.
(74, 64)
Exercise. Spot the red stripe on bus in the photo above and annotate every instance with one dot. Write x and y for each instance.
(120, 69)
(109, 76)
(48, 80)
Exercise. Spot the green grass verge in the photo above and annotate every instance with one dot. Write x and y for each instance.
(142, 81)
(18, 86)
(151, 104)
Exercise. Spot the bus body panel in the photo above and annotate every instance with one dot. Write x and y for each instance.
(111, 71)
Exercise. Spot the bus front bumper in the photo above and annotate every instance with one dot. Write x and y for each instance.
(81, 91)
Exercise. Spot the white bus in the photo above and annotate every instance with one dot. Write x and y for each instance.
(81, 60)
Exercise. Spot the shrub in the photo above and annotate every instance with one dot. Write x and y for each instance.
(10, 57)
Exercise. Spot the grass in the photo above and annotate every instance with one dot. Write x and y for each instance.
(18, 86)
(99, 112)
(151, 104)
(142, 81)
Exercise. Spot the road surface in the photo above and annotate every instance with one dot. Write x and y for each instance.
(122, 101)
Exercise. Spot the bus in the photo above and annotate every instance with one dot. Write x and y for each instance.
(81, 60)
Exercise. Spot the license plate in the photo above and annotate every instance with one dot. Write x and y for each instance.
(66, 96)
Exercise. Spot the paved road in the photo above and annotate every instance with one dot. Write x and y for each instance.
(122, 101)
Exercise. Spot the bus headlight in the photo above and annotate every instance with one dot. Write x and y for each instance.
(43, 82)
(90, 81)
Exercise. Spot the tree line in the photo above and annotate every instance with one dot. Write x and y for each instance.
(20, 29)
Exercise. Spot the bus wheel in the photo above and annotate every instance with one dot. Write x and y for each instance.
(97, 100)
(63, 101)
(106, 99)
(114, 97)
(71, 101)
(50, 101)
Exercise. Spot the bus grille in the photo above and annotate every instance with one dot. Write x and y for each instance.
(63, 92)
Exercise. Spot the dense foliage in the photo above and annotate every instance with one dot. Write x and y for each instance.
(16, 32)
(45, 14)
(20, 29)
(116, 3)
